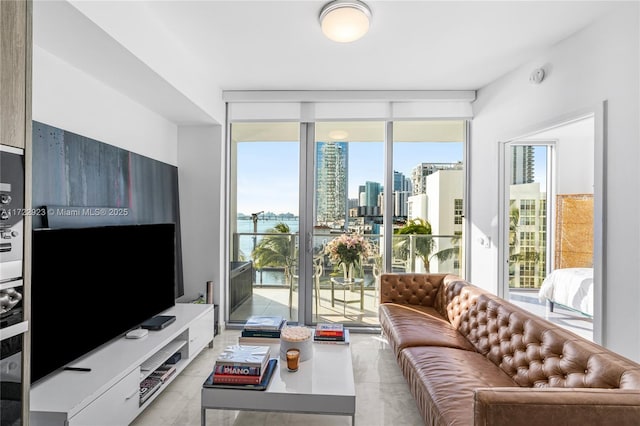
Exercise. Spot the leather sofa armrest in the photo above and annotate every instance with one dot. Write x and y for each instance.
(555, 406)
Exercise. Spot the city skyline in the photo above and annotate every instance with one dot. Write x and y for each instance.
(279, 193)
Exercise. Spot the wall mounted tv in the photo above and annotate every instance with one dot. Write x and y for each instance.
(92, 285)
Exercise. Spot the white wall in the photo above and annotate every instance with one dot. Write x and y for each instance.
(134, 25)
(70, 99)
(574, 155)
(600, 63)
(199, 174)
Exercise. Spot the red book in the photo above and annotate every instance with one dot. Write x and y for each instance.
(329, 333)
(238, 379)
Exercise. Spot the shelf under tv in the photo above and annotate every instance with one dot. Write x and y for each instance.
(110, 392)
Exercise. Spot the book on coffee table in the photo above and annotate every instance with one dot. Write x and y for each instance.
(244, 356)
(264, 323)
(343, 340)
(264, 383)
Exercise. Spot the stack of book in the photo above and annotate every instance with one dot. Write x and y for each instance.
(262, 329)
(163, 372)
(147, 388)
(241, 365)
(152, 382)
(331, 333)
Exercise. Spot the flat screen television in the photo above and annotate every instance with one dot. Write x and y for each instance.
(92, 285)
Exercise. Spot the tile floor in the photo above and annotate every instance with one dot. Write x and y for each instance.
(383, 397)
(382, 394)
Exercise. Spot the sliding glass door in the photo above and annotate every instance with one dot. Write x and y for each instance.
(348, 179)
(263, 220)
(297, 191)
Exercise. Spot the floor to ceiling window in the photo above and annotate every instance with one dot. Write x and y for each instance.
(314, 180)
(264, 219)
(347, 199)
(428, 195)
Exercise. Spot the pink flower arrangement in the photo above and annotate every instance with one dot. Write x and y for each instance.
(348, 249)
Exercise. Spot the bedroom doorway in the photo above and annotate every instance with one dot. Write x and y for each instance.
(530, 193)
(549, 221)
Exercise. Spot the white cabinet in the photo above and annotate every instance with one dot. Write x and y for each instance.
(200, 333)
(116, 407)
(109, 394)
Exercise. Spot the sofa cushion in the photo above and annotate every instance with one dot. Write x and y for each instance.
(443, 381)
(407, 326)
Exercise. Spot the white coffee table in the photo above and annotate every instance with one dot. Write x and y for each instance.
(322, 385)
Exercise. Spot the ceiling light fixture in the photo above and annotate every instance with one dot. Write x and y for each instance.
(345, 21)
(337, 135)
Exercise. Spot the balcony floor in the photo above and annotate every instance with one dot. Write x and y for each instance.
(275, 301)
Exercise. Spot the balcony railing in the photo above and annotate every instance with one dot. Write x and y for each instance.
(410, 253)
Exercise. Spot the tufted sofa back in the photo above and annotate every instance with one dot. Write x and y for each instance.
(530, 349)
(410, 289)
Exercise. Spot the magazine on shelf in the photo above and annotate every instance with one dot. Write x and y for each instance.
(147, 388)
(164, 372)
(244, 356)
(265, 322)
(266, 377)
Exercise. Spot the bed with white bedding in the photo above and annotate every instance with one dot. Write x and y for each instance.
(571, 288)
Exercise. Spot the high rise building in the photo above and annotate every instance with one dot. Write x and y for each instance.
(420, 172)
(528, 235)
(372, 191)
(400, 206)
(331, 183)
(442, 206)
(401, 193)
(400, 182)
(522, 165)
(361, 195)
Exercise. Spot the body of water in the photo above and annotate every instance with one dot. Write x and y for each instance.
(265, 277)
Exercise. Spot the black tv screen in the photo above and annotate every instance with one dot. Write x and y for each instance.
(92, 285)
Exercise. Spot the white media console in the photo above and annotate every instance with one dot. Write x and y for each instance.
(109, 394)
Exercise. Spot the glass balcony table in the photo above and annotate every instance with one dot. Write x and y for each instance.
(340, 281)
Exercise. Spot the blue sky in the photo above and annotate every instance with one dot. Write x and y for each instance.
(268, 173)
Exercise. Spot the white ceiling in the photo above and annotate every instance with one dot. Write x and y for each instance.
(278, 45)
(429, 45)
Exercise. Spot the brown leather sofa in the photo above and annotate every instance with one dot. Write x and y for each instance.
(472, 358)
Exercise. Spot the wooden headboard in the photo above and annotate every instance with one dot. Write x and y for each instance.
(574, 231)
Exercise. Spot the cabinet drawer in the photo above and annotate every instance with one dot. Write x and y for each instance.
(200, 333)
(116, 407)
